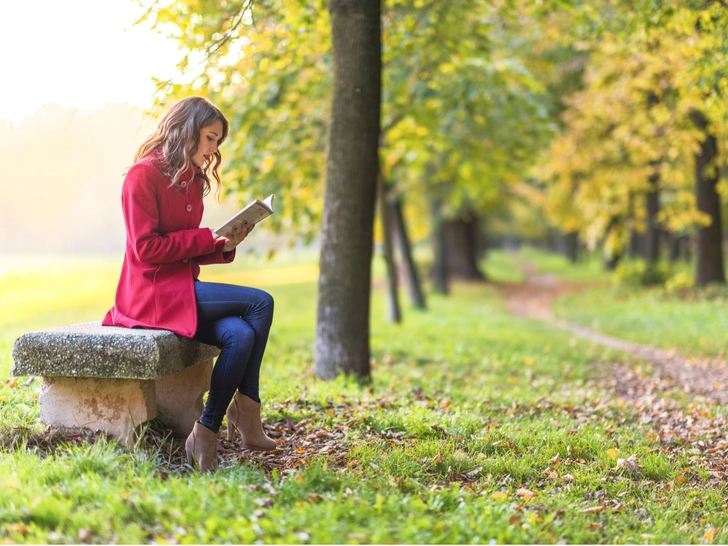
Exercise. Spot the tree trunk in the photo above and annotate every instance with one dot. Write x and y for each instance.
(440, 269)
(686, 248)
(709, 241)
(342, 322)
(462, 248)
(405, 249)
(394, 313)
(571, 246)
(652, 234)
(611, 262)
(677, 245)
(636, 244)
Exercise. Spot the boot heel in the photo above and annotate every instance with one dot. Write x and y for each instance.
(243, 416)
(201, 448)
(231, 431)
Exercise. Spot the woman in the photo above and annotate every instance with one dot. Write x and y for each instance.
(159, 287)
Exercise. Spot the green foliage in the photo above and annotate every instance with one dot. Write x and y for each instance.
(462, 116)
(680, 282)
(637, 273)
(271, 76)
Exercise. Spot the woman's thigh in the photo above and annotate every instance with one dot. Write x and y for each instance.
(218, 300)
(231, 332)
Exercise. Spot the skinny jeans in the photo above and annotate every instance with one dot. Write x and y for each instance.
(237, 320)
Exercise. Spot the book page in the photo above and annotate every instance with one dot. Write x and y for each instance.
(253, 213)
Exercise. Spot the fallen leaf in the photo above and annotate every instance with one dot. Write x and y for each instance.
(710, 534)
(525, 494)
(499, 495)
(612, 453)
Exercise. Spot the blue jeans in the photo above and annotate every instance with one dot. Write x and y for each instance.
(237, 320)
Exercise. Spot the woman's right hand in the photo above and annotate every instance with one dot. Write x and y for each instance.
(235, 237)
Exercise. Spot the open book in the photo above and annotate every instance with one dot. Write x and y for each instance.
(253, 213)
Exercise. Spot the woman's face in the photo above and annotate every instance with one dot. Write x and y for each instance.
(209, 137)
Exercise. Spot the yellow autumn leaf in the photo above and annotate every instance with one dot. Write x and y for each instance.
(499, 495)
(612, 453)
(710, 534)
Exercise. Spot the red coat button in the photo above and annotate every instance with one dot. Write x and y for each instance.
(188, 208)
(183, 184)
(185, 261)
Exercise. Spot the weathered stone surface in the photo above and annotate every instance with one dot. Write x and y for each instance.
(92, 350)
(116, 406)
(179, 397)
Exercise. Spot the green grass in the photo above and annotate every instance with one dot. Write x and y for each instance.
(695, 327)
(476, 427)
(589, 267)
(694, 322)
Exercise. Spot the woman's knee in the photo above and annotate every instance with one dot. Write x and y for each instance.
(265, 300)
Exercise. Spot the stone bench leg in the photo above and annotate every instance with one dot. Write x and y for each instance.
(116, 406)
(179, 397)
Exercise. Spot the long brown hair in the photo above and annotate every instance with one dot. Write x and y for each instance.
(178, 135)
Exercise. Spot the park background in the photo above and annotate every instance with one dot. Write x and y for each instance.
(537, 133)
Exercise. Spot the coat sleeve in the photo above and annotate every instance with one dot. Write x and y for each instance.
(216, 257)
(141, 215)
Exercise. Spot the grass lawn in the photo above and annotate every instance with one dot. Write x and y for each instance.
(477, 427)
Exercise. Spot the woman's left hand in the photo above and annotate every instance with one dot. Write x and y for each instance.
(235, 237)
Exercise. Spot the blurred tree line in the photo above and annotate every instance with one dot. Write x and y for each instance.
(637, 163)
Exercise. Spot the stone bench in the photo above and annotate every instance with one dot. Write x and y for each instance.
(114, 379)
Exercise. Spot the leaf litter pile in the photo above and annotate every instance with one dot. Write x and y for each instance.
(698, 430)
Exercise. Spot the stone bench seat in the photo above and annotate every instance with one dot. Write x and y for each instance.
(114, 379)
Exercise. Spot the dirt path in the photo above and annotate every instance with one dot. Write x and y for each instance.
(534, 297)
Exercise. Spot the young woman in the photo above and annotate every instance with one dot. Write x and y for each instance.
(159, 287)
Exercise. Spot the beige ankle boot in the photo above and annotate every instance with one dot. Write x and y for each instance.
(244, 415)
(201, 446)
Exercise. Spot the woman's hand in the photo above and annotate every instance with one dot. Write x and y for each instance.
(235, 237)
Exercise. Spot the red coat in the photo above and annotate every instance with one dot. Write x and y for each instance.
(164, 250)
